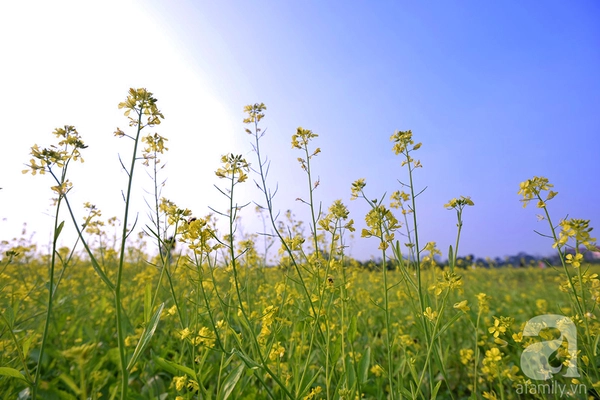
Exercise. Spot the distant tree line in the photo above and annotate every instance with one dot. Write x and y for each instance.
(519, 260)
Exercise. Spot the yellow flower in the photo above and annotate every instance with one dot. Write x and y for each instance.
(493, 355)
(403, 139)
(483, 302)
(531, 189)
(377, 370)
(518, 337)
(302, 137)
(183, 334)
(278, 351)
(585, 360)
(179, 382)
(357, 188)
(431, 315)
(313, 393)
(578, 229)
(466, 355)
(172, 310)
(459, 203)
(498, 329)
(141, 101)
(255, 113)
(234, 166)
(575, 261)
(463, 306)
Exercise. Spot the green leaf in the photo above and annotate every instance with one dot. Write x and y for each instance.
(451, 258)
(310, 383)
(70, 383)
(9, 317)
(147, 303)
(59, 229)
(363, 366)
(13, 373)
(250, 363)
(100, 272)
(406, 393)
(174, 368)
(231, 380)
(350, 372)
(27, 344)
(352, 329)
(447, 325)
(146, 336)
(435, 390)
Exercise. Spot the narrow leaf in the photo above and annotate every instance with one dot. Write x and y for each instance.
(435, 390)
(27, 345)
(59, 229)
(147, 303)
(352, 329)
(350, 372)
(363, 366)
(13, 373)
(100, 272)
(447, 325)
(250, 363)
(70, 383)
(146, 336)
(174, 368)
(231, 380)
(310, 383)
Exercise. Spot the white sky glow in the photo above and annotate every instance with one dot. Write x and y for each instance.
(67, 62)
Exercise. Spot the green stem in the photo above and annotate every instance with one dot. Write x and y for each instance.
(50, 292)
(311, 202)
(118, 299)
(418, 262)
(459, 224)
(387, 325)
(263, 361)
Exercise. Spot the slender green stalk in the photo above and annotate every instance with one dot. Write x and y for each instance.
(388, 325)
(118, 295)
(61, 189)
(311, 203)
(50, 304)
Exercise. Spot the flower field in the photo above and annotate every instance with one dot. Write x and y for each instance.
(205, 317)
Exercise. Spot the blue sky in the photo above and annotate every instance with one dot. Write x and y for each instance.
(497, 93)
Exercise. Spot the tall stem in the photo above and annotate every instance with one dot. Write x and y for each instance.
(118, 299)
(312, 207)
(50, 302)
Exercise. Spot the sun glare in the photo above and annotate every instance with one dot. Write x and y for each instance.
(71, 63)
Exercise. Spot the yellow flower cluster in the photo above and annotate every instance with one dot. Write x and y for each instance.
(577, 229)
(337, 212)
(234, 167)
(382, 224)
(142, 102)
(532, 189)
(255, 113)
(68, 149)
(459, 203)
(155, 144)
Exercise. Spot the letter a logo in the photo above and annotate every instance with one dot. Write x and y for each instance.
(535, 358)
